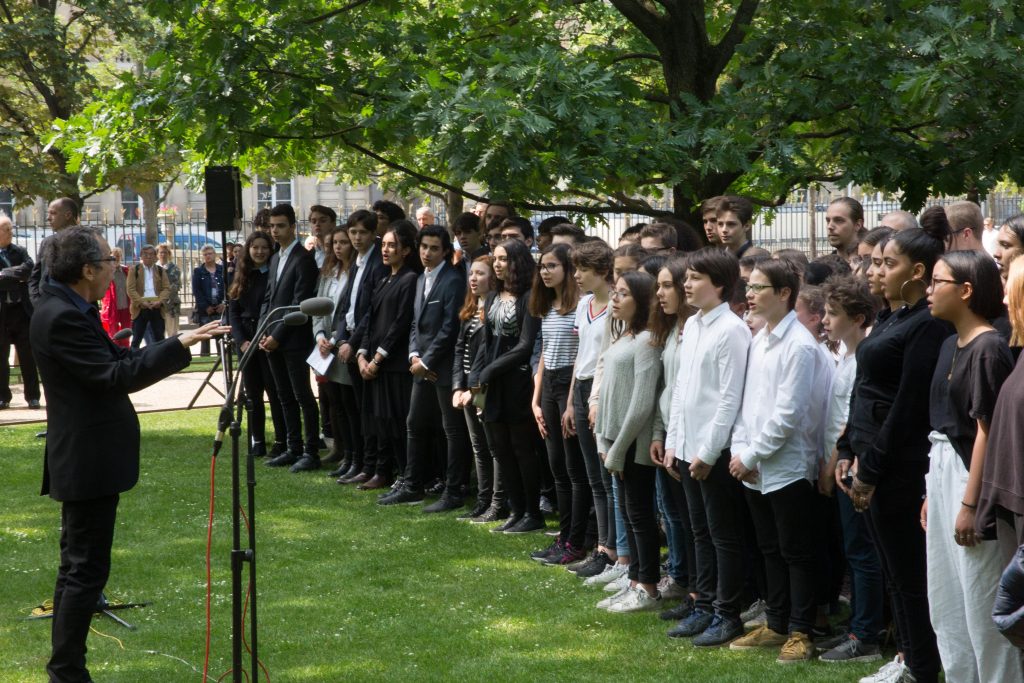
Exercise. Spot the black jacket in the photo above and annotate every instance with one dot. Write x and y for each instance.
(471, 336)
(502, 365)
(435, 321)
(14, 276)
(386, 325)
(376, 271)
(297, 283)
(244, 312)
(92, 439)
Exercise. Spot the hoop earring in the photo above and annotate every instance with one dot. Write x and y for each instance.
(905, 283)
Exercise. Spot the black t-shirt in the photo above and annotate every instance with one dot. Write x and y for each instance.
(965, 386)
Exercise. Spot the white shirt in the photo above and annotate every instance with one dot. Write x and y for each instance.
(839, 402)
(988, 240)
(350, 314)
(283, 258)
(150, 290)
(708, 388)
(591, 330)
(780, 430)
(320, 255)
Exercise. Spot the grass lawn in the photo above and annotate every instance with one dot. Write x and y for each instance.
(348, 591)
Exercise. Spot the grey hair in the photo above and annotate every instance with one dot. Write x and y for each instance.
(208, 246)
(69, 250)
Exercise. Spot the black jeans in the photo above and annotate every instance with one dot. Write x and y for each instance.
(894, 517)
(151, 318)
(572, 487)
(637, 499)
(716, 507)
(345, 428)
(14, 326)
(786, 539)
(512, 446)
(86, 536)
(291, 377)
(257, 380)
(599, 479)
(431, 403)
(490, 489)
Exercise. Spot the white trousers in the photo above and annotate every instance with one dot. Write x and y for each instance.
(962, 581)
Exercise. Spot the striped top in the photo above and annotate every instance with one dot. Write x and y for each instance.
(560, 340)
(468, 330)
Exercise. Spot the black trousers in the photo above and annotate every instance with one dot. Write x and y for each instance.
(894, 519)
(291, 377)
(14, 326)
(572, 487)
(257, 380)
(512, 446)
(430, 404)
(638, 502)
(345, 424)
(716, 507)
(151, 319)
(371, 445)
(490, 489)
(86, 536)
(600, 481)
(786, 539)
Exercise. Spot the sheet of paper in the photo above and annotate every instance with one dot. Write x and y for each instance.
(319, 364)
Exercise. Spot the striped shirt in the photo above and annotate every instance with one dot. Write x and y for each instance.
(560, 340)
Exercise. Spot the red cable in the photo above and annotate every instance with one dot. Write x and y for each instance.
(209, 581)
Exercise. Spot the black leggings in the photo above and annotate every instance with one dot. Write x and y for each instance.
(257, 380)
(512, 446)
(600, 481)
(637, 500)
(572, 488)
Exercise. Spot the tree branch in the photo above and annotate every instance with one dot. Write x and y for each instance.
(726, 47)
(641, 14)
(637, 55)
(336, 12)
(311, 136)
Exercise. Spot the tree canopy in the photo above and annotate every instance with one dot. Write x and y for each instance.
(582, 105)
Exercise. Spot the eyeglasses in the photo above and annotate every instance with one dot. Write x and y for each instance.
(757, 289)
(619, 295)
(939, 280)
(108, 259)
(549, 267)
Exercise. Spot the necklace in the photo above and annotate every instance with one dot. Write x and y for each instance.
(956, 350)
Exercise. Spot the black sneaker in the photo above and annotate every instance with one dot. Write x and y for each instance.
(445, 503)
(510, 522)
(592, 566)
(435, 488)
(403, 496)
(528, 524)
(852, 650)
(693, 625)
(480, 509)
(721, 632)
(551, 551)
(492, 514)
(679, 612)
(566, 557)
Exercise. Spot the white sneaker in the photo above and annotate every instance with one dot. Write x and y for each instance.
(610, 573)
(619, 583)
(670, 590)
(612, 599)
(636, 600)
(891, 672)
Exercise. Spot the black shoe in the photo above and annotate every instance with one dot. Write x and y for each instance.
(546, 508)
(395, 485)
(403, 496)
(34, 404)
(445, 503)
(722, 631)
(434, 488)
(593, 566)
(528, 524)
(480, 509)
(342, 470)
(258, 450)
(492, 514)
(307, 463)
(277, 449)
(693, 625)
(555, 549)
(679, 612)
(512, 520)
(284, 460)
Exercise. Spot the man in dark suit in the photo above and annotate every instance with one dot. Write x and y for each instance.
(61, 213)
(440, 292)
(366, 271)
(92, 443)
(15, 313)
(292, 280)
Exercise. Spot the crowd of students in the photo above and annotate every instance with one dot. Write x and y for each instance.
(784, 425)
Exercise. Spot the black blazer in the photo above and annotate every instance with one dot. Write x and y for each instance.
(471, 336)
(376, 271)
(435, 321)
(386, 325)
(92, 439)
(244, 312)
(39, 272)
(14, 278)
(297, 283)
(502, 364)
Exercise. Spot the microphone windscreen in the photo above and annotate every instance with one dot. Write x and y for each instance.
(295, 318)
(320, 305)
(122, 334)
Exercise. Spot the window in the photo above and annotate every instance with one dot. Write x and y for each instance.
(270, 192)
(7, 202)
(131, 205)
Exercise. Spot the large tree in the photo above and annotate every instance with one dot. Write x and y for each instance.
(591, 105)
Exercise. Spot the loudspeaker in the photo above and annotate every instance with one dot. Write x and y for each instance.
(223, 199)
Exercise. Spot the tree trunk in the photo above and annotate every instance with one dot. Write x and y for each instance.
(150, 198)
(453, 206)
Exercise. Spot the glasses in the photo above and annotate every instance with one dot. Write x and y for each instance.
(619, 295)
(939, 280)
(757, 289)
(549, 267)
(109, 259)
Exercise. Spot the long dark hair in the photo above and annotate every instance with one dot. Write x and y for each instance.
(519, 275)
(542, 298)
(246, 266)
(405, 235)
(641, 288)
(661, 323)
(981, 271)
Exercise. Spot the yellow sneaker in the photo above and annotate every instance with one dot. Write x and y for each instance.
(761, 636)
(798, 648)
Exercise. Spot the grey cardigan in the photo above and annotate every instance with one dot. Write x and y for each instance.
(628, 399)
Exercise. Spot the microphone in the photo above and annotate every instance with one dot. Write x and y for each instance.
(320, 305)
(295, 318)
(122, 334)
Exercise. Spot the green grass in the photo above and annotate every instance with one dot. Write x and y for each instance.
(348, 591)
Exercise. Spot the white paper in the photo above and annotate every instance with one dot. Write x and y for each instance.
(319, 364)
